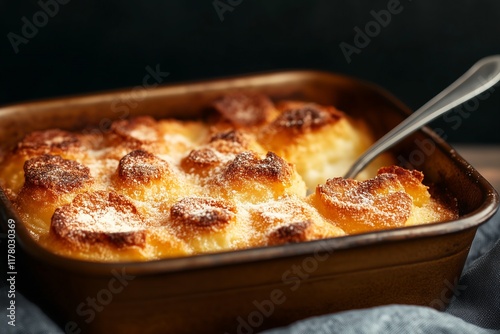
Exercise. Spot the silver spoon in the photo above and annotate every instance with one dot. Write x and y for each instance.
(481, 76)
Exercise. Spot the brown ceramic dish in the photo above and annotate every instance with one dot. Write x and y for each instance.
(247, 291)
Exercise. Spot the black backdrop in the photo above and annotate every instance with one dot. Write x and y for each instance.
(77, 46)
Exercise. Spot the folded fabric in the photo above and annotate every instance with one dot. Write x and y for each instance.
(479, 301)
(391, 319)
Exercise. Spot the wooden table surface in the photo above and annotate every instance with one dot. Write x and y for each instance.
(485, 159)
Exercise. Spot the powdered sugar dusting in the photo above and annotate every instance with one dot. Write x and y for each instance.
(108, 220)
(99, 216)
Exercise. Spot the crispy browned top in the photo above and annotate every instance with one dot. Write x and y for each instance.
(200, 158)
(409, 176)
(99, 217)
(45, 142)
(141, 129)
(378, 202)
(233, 136)
(54, 173)
(411, 180)
(221, 147)
(140, 166)
(293, 232)
(247, 165)
(202, 212)
(303, 118)
(244, 109)
(230, 142)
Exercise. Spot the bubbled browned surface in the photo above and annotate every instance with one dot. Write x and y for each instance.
(291, 233)
(140, 166)
(248, 166)
(301, 118)
(232, 136)
(140, 128)
(244, 109)
(411, 180)
(229, 142)
(99, 217)
(362, 206)
(45, 142)
(202, 212)
(200, 159)
(55, 174)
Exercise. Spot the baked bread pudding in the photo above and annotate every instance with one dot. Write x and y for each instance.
(253, 172)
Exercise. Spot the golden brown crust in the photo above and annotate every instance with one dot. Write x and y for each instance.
(141, 129)
(99, 217)
(411, 180)
(232, 136)
(244, 110)
(138, 133)
(301, 118)
(356, 206)
(202, 212)
(320, 141)
(200, 160)
(48, 142)
(291, 233)
(248, 166)
(53, 173)
(272, 220)
(229, 142)
(413, 177)
(140, 166)
(249, 178)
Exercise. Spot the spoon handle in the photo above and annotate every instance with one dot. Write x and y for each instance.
(481, 76)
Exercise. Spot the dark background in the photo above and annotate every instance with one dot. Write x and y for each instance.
(97, 45)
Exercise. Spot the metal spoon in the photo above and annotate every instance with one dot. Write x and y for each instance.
(481, 76)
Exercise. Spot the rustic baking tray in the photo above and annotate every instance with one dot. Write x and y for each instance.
(250, 290)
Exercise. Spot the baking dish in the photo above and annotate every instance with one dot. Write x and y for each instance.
(249, 290)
